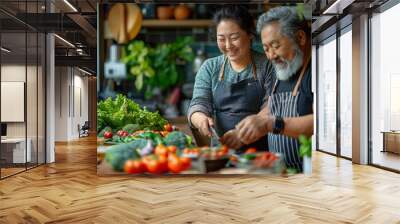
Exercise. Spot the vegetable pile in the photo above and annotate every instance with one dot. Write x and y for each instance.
(209, 153)
(150, 152)
(251, 158)
(123, 113)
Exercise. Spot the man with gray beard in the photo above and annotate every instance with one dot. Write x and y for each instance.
(286, 41)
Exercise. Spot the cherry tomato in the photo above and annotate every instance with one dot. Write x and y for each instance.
(172, 149)
(195, 151)
(187, 151)
(233, 159)
(174, 164)
(134, 166)
(164, 133)
(220, 154)
(108, 134)
(224, 149)
(163, 163)
(266, 159)
(161, 150)
(154, 167)
(168, 127)
(186, 163)
(124, 134)
(250, 150)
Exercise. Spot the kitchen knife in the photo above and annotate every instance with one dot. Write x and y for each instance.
(214, 138)
(214, 133)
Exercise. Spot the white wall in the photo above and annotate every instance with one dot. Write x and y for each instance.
(61, 103)
(34, 125)
(71, 94)
(16, 73)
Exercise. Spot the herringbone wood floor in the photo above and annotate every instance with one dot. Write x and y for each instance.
(69, 191)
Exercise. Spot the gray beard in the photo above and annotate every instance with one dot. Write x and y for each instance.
(291, 67)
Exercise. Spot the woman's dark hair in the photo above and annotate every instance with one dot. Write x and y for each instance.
(239, 15)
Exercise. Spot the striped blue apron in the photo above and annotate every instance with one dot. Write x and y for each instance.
(285, 105)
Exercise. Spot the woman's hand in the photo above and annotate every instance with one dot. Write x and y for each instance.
(202, 122)
(231, 139)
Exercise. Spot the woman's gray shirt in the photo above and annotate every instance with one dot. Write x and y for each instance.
(208, 75)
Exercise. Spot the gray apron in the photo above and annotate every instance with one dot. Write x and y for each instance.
(285, 105)
(235, 101)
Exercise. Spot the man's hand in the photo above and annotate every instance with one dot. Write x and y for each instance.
(202, 122)
(254, 127)
(231, 139)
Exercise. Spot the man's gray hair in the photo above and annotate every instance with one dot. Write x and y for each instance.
(288, 18)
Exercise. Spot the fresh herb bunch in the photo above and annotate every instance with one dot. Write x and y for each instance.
(165, 58)
(121, 111)
(138, 62)
(157, 66)
(305, 146)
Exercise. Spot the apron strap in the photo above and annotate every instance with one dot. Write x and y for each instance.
(253, 64)
(274, 88)
(222, 70)
(296, 88)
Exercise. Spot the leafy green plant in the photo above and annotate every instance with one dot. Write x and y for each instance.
(305, 146)
(122, 111)
(157, 67)
(138, 61)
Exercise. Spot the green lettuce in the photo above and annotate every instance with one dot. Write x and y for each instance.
(122, 111)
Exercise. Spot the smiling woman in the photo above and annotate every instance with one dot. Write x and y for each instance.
(233, 85)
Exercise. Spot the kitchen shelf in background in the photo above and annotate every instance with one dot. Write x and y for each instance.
(177, 23)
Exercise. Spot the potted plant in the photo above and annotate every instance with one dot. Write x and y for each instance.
(306, 153)
(159, 66)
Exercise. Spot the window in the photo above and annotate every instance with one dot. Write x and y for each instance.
(327, 96)
(346, 93)
(385, 88)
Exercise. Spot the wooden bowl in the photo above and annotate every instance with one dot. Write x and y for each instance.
(124, 21)
(211, 165)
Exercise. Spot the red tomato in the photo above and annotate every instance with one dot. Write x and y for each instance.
(168, 127)
(108, 134)
(164, 133)
(186, 163)
(163, 163)
(174, 164)
(186, 151)
(233, 159)
(146, 160)
(195, 151)
(224, 149)
(220, 154)
(250, 150)
(134, 166)
(124, 134)
(153, 166)
(172, 149)
(161, 150)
